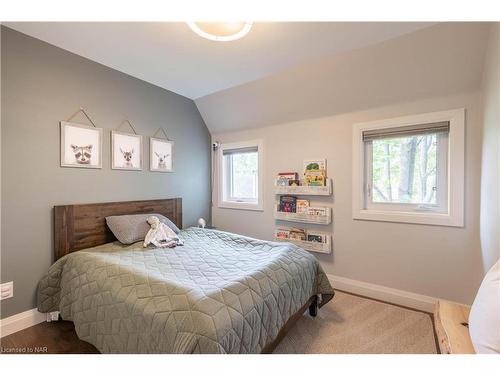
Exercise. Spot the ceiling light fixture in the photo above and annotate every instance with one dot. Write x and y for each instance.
(221, 31)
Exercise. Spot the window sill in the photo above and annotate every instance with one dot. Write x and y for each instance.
(410, 217)
(241, 206)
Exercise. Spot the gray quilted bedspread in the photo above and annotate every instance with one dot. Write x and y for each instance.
(219, 293)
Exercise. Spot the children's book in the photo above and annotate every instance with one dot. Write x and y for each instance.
(288, 203)
(302, 205)
(316, 237)
(314, 165)
(317, 211)
(298, 234)
(282, 233)
(315, 178)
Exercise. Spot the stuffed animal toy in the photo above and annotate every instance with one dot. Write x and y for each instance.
(160, 235)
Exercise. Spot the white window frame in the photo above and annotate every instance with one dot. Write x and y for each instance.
(233, 204)
(454, 215)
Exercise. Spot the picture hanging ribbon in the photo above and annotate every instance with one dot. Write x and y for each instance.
(164, 133)
(86, 115)
(129, 124)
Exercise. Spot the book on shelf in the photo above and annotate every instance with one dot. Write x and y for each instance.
(315, 178)
(302, 205)
(315, 172)
(282, 181)
(288, 203)
(284, 178)
(282, 233)
(314, 165)
(317, 211)
(297, 234)
(289, 175)
(316, 237)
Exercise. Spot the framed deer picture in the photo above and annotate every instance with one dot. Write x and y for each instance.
(161, 155)
(81, 146)
(126, 151)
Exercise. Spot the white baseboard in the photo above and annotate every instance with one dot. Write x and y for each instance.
(21, 321)
(383, 293)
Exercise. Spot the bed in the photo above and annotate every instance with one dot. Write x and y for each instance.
(219, 293)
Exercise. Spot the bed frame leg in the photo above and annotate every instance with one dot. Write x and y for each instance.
(313, 307)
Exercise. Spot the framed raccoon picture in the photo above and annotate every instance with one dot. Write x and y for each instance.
(126, 151)
(161, 155)
(81, 146)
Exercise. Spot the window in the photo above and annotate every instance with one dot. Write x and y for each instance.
(406, 168)
(240, 175)
(410, 169)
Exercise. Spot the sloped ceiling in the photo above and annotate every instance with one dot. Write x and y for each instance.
(283, 72)
(439, 60)
(170, 55)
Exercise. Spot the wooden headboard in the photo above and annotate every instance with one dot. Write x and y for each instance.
(80, 226)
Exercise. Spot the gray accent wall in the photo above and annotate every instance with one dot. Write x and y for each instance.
(42, 85)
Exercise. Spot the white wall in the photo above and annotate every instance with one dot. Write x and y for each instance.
(490, 179)
(437, 261)
(441, 60)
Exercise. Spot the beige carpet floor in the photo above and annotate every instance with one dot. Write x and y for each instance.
(352, 324)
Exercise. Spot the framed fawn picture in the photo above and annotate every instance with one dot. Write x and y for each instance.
(161, 155)
(126, 151)
(81, 146)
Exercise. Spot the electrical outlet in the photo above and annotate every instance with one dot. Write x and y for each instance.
(7, 290)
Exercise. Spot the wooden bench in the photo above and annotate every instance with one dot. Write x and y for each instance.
(452, 328)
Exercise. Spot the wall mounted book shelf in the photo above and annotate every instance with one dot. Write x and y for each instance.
(304, 190)
(325, 248)
(304, 218)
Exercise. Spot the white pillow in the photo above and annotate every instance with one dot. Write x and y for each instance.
(484, 319)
